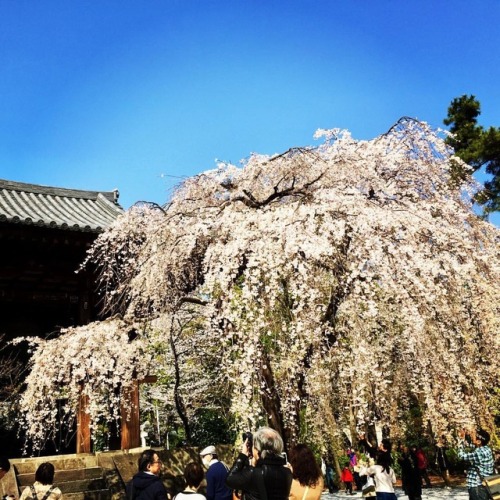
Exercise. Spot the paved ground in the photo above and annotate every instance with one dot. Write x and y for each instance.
(437, 493)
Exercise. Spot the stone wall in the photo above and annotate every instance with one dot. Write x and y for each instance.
(174, 462)
(78, 474)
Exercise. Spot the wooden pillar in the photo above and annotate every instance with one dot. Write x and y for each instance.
(130, 422)
(130, 430)
(130, 414)
(83, 424)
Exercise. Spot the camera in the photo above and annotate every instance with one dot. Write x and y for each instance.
(247, 436)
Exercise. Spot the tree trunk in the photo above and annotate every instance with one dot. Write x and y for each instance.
(271, 400)
(179, 402)
(338, 471)
(352, 427)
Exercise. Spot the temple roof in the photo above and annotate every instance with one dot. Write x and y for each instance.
(70, 209)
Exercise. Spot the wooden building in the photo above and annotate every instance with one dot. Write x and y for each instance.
(44, 235)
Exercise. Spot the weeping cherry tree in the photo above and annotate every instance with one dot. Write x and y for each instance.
(333, 285)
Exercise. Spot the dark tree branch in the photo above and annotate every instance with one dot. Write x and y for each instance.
(192, 300)
(179, 402)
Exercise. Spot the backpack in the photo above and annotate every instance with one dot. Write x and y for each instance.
(47, 493)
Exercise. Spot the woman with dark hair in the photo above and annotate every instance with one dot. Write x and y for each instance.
(307, 481)
(193, 474)
(385, 448)
(384, 477)
(42, 489)
(4, 466)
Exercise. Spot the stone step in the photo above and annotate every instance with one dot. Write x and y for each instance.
(89, 495)
(60, 462)
(78, 486)
(64, 475)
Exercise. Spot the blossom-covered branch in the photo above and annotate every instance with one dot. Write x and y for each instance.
(334, 283)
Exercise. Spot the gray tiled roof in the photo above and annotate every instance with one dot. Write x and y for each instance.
(71, 209)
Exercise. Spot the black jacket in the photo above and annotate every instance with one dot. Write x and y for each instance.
(146, 486)
(268, 480)
(410, 475)
(441, 458)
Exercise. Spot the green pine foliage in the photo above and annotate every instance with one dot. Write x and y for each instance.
(477, 147)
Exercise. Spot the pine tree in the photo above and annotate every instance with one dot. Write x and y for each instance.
(475, 146)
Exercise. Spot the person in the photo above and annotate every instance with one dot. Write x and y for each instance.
(329, 474)
(422, 464)
(385, 447)
(323, 471)
(4, 466)
(267, 476)
(307, 481)
(347, 478)
(146, 484)
(410, 473)
(193, 474)
(384, 477)
(480, 461)
(7, 487)
(356, 467)
(353, 459)
(367, 482)
(216, 475)
(442, 461)
(365, 446)
(42, 488)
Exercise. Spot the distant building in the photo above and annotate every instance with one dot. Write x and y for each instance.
(44, 235)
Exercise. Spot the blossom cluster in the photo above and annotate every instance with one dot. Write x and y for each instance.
(335, 283)
(96, 362)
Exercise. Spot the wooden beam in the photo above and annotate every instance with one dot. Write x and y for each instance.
(149, 379)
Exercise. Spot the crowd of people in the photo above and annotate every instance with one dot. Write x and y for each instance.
(262, 471)
(43, 487)
(377, 477)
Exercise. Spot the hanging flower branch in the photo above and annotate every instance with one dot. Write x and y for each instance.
(97, 360)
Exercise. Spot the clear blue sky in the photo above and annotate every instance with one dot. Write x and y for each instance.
(134, 95)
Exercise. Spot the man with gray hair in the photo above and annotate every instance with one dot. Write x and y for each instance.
(260, 470)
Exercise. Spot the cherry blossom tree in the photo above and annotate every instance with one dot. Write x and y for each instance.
(186, 364)
(333, 285)
(97, 362)
(12, 371)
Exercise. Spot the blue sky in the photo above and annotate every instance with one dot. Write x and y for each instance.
(135, 95)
